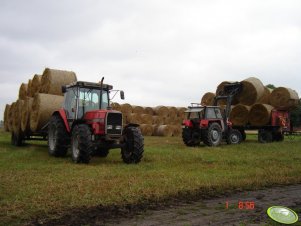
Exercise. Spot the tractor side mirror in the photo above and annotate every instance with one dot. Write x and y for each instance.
(63, 89)
(121, 95)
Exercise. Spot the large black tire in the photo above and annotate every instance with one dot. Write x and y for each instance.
(81, 144)
(190, 137)
(278, 136)
(265, 136)
(132, 151)
(234, 137)
(213, 135)
(243, 134)
(58, 137)
(17, 139)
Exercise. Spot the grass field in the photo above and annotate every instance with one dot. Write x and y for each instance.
(34, 184)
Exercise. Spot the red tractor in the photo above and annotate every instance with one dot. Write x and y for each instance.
(88, 124)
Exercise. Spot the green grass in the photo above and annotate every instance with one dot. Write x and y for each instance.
(32, 183)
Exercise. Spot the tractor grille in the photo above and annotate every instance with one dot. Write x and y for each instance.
(114, 123)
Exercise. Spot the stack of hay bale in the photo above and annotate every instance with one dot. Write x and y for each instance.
(153, 121)
(37, 100)
(255, 102)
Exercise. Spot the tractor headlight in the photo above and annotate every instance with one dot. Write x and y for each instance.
(109, 127)
(118, 127)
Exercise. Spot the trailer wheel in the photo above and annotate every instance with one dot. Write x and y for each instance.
(190, 137)
(58, 137)
(234, 137)
(213, 135)
(243, 134)
(17, 139)
(265, 136)
(133, 148)
(81, 144)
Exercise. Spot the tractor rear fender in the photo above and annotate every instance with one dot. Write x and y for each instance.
(63, 116)
(131, 125)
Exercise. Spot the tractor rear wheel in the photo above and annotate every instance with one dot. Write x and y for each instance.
(133, 148)
(81, 144)
(265, 136)
(58, 137)
(190, 137)
(234, 137)
(213, 135)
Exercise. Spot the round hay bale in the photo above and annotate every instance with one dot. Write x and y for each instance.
(157, 119)
(25, 114)
(284, 98)
(126, 118)
(164, 130)
(135, 118)
(126, 108)
(208, 99)
(172, 111)
(146, 129)
(239, 115)
(17, 116)
(43, 106)
(137, 109)
(177, 130)
(115, 106)
(35, 84)
(11, 116)
(6, 117)
(252, 91)
(161, 111)
(155, 127)
(181, 112)
(260, 114)
(23, 91)
(220, 91)
(29, 88)
(146, 119)
(148, 110)
(52, 80)
(265, 98)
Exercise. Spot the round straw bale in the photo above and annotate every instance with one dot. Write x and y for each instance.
(17, 116)
(161, 111)
(239, 115)
(126, 118)
(35, 84)
(135, 118)
(23, 91)
(53, 80)
(146, 129)
(181, 112)
(11, 116)
(208, 99)
(115, 106)
(126, 108)
(137, 109)
(155, 127)
(177, 130)
(157, 119)
(172, 111)
(265, 98)
(220, 92)
(164, 130)
(6, 117)
(29, 89)
(25, 114)
(146, 119)
(260, 114)
(148, 110)
(252, 91)
(43, 106)
(284, 98)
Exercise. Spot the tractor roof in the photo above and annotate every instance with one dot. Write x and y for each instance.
(199, 108)
(91, 85)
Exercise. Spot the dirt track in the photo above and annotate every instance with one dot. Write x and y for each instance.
(198, 212)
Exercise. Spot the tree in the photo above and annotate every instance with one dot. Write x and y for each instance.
(271, 86)
(296, 115)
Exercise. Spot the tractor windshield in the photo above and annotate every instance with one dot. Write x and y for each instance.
(195, 113)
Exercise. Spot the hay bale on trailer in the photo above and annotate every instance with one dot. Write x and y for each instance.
(6, 117)
(43, 106)
(161, 111)
(137, 109)
(284, 98)
(220, 91)
(52, 80)
(17, 116)
(148, 110)
(23, 90)
(25, 114)
(35, 84)
(164, 130)
(260, 114)
(208, 99)
(239, 115)
(252, 91)
(11, 116)
(126, 108)
(146, 119)
(146, 129)
(265, 99)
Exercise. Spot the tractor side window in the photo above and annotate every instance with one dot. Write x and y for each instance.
(218, 113)
(105, 100)
(211, 113)
(70, 103)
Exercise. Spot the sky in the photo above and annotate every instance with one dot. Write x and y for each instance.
(160, 52)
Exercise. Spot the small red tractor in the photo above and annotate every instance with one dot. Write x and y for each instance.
(88, 125)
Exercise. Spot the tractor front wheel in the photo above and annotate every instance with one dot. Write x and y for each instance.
(213, 135)
(81, 144)
(133, 146)
(234, 137)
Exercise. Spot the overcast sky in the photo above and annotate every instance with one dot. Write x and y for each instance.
(167, 52)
